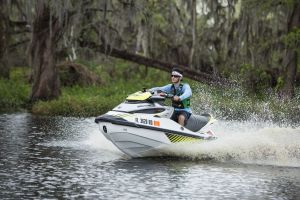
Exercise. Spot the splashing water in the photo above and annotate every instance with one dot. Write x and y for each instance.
(241, 142)
(233, 103)
(256, 132)
(247, 142)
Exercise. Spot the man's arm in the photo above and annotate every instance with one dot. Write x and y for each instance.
(165, 89)
(187, 92)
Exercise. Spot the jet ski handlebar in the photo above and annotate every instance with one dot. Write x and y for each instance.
(167, 95)
(160, 93)
(160, 96)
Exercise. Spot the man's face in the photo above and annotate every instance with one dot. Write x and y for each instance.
(175, 79)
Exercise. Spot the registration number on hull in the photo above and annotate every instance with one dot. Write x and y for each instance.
(147, 121)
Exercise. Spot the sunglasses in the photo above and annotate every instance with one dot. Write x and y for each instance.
(175, 76)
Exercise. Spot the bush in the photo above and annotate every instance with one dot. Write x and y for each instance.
(14, 93)
(223, 102)
(96, 100)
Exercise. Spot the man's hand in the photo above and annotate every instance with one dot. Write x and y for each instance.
(162, 94)
(176, 98)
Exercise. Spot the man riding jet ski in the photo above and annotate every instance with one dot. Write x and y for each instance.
(142, 125)
(181, 96)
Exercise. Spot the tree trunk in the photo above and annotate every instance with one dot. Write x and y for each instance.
(46, 32)
(290, 63)
(193, 29)
(188, 72)
(290, 60)
(4, 39)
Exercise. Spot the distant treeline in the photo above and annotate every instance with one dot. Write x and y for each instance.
(252, 42)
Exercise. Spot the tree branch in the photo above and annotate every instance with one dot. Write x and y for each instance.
(123, 54)
(15, 45)
(18, 23)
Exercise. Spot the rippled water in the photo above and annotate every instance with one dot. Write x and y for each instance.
(68, 158)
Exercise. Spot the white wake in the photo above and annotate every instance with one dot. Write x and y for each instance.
(247, 142)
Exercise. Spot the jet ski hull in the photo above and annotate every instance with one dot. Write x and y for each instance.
(135, 142)
(142, 136)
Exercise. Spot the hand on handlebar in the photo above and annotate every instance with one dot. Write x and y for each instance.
(162, 94)
(167, 95)
(176, 98)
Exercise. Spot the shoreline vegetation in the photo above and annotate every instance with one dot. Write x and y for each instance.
(120, 79)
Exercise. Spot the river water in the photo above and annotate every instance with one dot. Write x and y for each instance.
(68, 158)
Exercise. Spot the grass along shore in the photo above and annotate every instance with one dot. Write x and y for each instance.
(87, 101)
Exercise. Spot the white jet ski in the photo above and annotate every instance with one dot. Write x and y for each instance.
(141, 126)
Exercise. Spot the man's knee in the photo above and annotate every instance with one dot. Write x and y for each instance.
(181, 120)
(181, 117)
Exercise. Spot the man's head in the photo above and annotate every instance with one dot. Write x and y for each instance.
(176, 75)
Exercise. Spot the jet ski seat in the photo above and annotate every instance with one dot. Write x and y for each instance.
(196, 122)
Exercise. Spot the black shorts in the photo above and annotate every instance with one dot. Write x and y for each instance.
(180, 112)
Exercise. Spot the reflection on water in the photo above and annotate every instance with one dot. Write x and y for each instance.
(67, 158)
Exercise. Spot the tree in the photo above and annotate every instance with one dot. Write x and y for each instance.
(291, 53)
(45, 35)
(212, 37)
(193, 30)
(4, 38)
(50, 22)
(165, 66)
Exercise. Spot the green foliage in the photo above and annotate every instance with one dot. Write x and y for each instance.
(254, 78)
(14, 93)
(93, 100)
(159, 20)
(280, 83)
(267, 4)
(78, 101)
(227, 103)
(292, 39)
(232, 103)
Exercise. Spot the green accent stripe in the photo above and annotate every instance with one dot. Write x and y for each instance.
(174, 138)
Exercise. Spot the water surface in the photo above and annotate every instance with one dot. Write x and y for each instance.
(68, 158)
